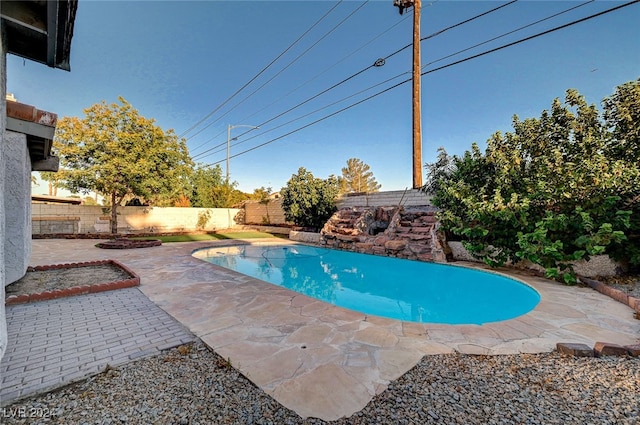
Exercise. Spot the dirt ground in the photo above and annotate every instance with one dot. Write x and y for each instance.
(35, 282)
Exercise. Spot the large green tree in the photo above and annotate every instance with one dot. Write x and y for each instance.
(558, 188)
(358, 177)
(211, 190)
(117, 152)
(309, 201)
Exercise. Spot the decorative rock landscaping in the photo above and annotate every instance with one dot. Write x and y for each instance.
(124, 243)
(391, 231)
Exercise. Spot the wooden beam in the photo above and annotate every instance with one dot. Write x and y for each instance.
(417, 118)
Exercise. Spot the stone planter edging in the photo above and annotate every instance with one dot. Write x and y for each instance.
(614, 293)
(308, 237)
(134, 280)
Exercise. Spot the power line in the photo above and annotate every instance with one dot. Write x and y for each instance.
(357, 73)
(508, 33)
(302, 116)
(466, 21)
(301, 85)
(261, 71)
(283, 69)
(431, 71)
(347, 56)
(531, 37)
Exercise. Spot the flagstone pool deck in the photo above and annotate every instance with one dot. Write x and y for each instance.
(325, 361)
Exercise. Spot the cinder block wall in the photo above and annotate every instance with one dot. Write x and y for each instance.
(257, 213)
(410, 197)
(139, 219)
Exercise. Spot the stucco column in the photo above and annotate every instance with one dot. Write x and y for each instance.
(17, 206)
(3, 114)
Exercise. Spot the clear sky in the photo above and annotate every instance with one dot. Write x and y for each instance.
(179, 61)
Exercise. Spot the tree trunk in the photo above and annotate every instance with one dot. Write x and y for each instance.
(114, 214)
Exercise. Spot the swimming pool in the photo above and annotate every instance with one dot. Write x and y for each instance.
(381, 286)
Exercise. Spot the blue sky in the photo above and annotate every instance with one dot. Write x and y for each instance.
(178, 61)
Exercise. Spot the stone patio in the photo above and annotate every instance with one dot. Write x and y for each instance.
(324, 361)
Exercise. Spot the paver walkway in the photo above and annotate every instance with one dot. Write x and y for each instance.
(324, 361)
(53, 343)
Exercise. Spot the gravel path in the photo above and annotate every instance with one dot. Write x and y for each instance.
(191, 385)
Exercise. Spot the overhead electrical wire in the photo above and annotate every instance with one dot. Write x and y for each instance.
(335, 27)
(347, 56)
(305, 83)
(431, 71)
(466, 21)
(305, 115)
(531, 37)
(261, 71)
(508, 33)
(375, 64)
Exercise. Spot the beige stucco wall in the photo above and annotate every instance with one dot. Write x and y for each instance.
(17, 206)
(3, 115)
(138, 219)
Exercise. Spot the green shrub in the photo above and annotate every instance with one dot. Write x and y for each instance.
(558, 188)
(308, 201)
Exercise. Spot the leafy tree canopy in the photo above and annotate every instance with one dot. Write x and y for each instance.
(117, 152)
(357, 177)
(309, 201)
(209, 189)
(558, 188)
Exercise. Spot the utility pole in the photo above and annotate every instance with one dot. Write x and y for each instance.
(416, 94)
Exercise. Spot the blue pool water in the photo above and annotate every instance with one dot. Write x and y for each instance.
(382, 286)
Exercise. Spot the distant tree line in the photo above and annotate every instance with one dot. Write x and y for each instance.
(128, 159)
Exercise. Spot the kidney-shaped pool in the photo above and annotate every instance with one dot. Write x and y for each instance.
(382, 286)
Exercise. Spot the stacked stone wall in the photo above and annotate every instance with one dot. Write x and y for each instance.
(390, 231)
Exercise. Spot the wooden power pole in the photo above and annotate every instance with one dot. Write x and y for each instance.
(416, 97)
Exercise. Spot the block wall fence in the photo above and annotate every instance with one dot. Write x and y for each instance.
(256, 213)
(65, 218)
(60, 218)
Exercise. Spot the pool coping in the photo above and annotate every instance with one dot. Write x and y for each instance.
(328, 362)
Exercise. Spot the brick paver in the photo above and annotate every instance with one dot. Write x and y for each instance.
(53, 343)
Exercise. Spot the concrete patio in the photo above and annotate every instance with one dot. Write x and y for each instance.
(324, 361)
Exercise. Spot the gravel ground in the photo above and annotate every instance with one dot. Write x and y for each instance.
(192, 385)
(630, 285)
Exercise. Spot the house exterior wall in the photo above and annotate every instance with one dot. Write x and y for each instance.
(17, 206)
(3, 114)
